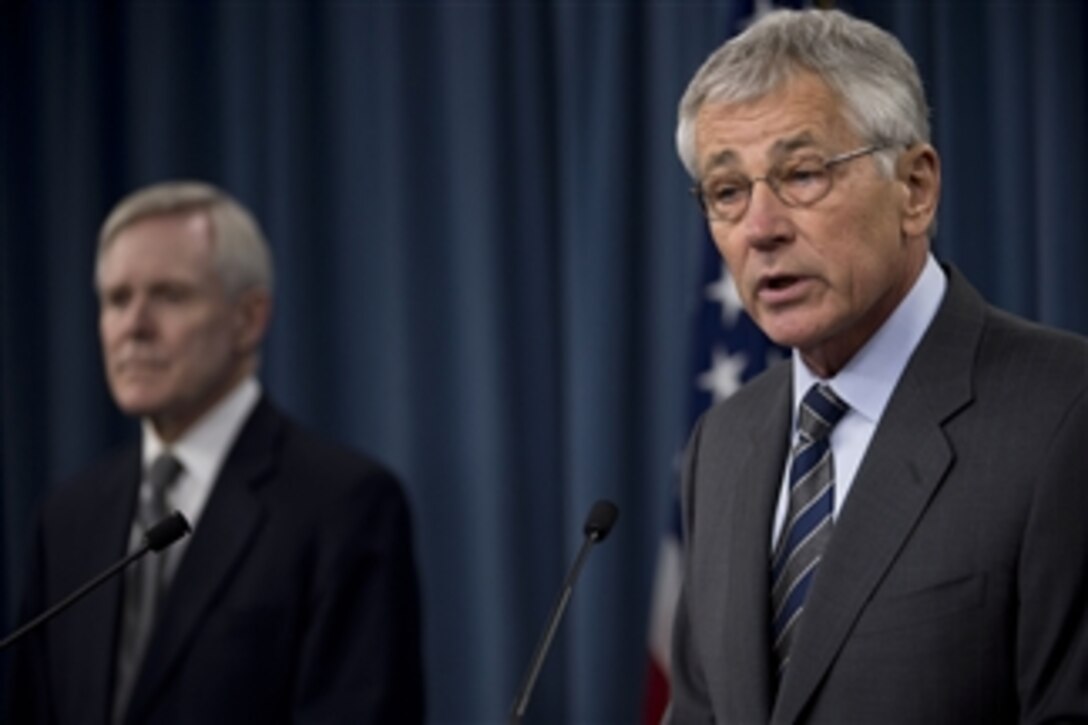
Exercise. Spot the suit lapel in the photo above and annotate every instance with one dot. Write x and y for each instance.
(902, 469)
(227, 527)
(742, 536)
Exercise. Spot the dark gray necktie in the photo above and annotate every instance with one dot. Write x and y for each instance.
(808, 520)
(144, 584)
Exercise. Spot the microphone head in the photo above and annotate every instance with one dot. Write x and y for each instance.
(167, 531)
(602, 517)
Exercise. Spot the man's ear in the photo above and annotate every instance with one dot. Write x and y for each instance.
(919, 169)
(252, 312)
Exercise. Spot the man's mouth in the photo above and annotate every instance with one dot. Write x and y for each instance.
(780, 282)
(134, 366)
(781, 289)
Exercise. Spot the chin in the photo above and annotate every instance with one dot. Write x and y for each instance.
(794, 326)
(791, 336)
(779, 329)
(138, 404)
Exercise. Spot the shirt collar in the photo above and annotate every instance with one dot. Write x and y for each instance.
(202, 449)
(868, 379)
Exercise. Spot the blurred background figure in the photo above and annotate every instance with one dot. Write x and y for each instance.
(296, 599)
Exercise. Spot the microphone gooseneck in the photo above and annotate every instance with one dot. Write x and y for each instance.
(602, 517)
(157, 538)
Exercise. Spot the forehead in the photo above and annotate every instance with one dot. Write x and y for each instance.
(804, 112)
(165, 245)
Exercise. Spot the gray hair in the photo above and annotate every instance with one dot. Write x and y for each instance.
(864, 65)
(242, 257)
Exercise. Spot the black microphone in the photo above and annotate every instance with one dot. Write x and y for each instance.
(157, 538)
(602, 517)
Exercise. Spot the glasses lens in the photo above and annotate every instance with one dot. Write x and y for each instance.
(799, 182)
(804, 181)
(725, 197)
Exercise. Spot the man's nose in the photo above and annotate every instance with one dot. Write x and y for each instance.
(139, 318)
(766, 221)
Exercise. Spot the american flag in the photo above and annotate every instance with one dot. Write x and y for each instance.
(727, 350)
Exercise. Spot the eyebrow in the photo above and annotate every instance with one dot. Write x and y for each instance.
(780, 148)
(786, 146)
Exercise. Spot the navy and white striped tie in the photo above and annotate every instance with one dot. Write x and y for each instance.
(808, 518)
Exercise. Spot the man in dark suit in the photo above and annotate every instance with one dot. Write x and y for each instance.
(892, 527)
(295, 599)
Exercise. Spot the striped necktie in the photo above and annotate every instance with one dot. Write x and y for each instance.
(809, 515)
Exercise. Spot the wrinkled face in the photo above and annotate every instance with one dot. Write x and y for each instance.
(823, 278)
(174, 343)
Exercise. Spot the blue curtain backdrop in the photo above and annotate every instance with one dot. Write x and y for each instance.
(487, 260)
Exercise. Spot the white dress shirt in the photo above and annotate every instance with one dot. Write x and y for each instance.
(866, 384)
(201, 452)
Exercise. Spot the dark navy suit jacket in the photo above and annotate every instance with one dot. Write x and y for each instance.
(296, 600)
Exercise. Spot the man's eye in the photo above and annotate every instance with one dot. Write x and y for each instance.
(171, 293)
(803, 175)
(725, 192)
(116, 298)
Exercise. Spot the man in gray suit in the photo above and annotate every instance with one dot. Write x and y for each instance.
(892, 527)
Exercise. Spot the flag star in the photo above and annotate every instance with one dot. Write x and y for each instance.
(724, 376)
(724, 292)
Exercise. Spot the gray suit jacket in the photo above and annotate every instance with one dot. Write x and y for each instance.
(955, 587)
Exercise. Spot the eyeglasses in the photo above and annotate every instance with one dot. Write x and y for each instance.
(801, 181)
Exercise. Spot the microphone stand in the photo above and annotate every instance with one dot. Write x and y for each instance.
(599, 523)
(157, 538)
